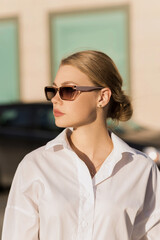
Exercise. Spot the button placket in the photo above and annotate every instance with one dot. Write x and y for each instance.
(86, 206)
(84, 223)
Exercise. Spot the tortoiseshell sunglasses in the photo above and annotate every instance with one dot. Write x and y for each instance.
(68, 93)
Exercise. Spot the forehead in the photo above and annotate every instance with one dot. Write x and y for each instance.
(68, 74)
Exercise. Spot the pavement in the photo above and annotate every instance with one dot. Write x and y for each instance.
(3, 202)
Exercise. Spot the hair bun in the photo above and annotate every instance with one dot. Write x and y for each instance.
(120, 110)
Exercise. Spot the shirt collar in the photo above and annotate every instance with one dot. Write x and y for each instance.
(120, 148)
(119, 145)
(61, 139)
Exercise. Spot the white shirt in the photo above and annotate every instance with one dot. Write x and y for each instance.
(54, 197)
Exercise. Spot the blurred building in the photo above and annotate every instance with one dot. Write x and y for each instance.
(35, 35)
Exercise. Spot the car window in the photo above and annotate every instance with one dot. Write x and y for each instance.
(44, 119)
(15, 117)
(38, 117)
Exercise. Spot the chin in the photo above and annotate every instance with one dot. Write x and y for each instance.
(62, 124)
(67, 124)
(77, 122)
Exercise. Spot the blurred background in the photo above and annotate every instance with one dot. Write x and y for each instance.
(35, 35)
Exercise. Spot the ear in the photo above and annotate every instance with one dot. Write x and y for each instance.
(104, 97)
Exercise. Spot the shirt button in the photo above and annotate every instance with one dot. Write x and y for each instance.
(84, 224)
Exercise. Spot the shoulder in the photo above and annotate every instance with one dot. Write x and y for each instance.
(30, 170)
(141, 156)
(28, 179)
(143, 168)
(33, 156)
(33, 163)
(143, 165)
(125, 149)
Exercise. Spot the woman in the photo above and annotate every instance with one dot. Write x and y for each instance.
(86, 184)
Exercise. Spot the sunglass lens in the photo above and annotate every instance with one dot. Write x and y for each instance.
(67, 93)
(50, 93)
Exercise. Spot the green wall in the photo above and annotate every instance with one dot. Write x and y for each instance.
(104, 30)
(9, 61)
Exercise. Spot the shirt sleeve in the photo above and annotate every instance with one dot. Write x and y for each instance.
(147, 223)
(21, 218)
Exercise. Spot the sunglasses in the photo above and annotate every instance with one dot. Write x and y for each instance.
(68, 93)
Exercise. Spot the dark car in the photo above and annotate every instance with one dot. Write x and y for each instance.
(27, 126)
(23, 128)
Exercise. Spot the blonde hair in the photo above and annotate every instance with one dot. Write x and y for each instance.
(102, 71)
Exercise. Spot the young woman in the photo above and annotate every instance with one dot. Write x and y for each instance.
(86, 184)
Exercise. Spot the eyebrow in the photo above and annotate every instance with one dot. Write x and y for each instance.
(64, 83)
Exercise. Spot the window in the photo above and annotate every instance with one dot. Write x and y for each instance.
(9, 61)
(104, 29)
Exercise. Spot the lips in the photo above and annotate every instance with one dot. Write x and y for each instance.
(57, 113)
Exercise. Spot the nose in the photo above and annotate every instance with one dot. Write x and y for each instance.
(56, 98)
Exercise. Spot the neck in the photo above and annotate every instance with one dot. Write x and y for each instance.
(93, 141)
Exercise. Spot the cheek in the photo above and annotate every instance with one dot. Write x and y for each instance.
(85, 106)
(80, 112)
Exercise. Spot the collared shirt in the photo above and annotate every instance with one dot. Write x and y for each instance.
(54, 197)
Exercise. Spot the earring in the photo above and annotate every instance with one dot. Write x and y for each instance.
(100, 105)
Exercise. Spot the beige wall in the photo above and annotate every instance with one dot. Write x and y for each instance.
(144, 49)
